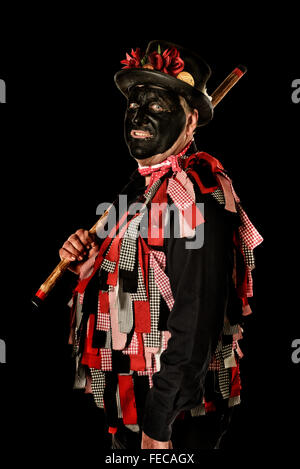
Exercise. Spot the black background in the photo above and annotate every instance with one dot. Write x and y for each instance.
(63, 153)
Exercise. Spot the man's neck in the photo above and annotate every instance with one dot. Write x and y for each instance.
(157, 159)
(160, 157)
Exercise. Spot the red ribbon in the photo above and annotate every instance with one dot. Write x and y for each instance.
(127, 399)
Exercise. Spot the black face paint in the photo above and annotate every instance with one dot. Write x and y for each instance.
(153, 122)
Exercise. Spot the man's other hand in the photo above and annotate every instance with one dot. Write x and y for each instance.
(149, 443)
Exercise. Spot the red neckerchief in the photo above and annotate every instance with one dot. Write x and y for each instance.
(158, 170)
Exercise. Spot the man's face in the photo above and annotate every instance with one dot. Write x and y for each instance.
(153, 122)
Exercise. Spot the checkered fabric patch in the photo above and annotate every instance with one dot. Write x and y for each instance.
(183, 178)
(249, 256)
(179, 195)
(153, 338)
(103, 321)
(129, 244)
(106, 359)
(224, 380)
(214, 363)
(226, 351)
(133, 348)
(108, 266)
(127, 257)
(98, 385)
(219, 196)
(248, 232)
(140, 294)
(127, 254)
(158, 263)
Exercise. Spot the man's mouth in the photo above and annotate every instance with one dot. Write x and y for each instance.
(140, 134)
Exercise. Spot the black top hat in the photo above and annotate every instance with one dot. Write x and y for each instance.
(172, 67)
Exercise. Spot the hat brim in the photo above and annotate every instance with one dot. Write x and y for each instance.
(127, 78)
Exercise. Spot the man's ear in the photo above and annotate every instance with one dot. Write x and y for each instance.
(192, 122)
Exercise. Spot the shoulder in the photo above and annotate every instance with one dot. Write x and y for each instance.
(202, 168)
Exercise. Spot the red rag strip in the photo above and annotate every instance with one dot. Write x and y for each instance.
(127, 399)
(157, 216)
(91, 356)
(235, 382)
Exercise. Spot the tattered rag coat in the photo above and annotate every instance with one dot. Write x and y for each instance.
(156, 322)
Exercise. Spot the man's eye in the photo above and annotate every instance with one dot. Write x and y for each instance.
(133, 105)
(156, 107)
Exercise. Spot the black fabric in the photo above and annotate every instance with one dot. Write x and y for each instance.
(102, 279)
(200, 281)
(99, 338)
(120, 362)
(109, 397)
(211, 385)
(141, 387)
(130, 277)
(90, 299)
(163, 315)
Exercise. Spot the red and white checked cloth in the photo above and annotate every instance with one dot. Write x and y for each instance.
(103, 322)
(158, 263)
(181, 191)
(106, 359)
(180, 196)
(247, 230)
(158, 170)
(133, 347)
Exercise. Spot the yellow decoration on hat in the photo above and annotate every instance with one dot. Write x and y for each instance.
(186, 77)
(149, 66)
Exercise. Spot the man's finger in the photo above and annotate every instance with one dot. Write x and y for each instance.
(85, 237)
(76, 242)
(64, 254)
(78, 250)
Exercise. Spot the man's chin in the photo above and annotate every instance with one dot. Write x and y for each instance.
(140, 153)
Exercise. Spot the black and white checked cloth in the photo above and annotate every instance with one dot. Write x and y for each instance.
(98, 385)
(153, 339)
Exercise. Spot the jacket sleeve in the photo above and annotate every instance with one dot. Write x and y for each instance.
(200, 281)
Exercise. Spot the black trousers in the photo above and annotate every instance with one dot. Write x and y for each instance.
(204, 432)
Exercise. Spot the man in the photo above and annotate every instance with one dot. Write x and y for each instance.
(156, 313)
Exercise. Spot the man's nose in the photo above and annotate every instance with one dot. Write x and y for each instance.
(140, 117)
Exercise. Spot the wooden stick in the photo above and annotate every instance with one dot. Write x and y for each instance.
(63, 265)
(227, 84)
(59, 270)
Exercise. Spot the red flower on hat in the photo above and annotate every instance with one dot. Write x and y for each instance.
(173, 64)
(167, 62)
(156, 60)
(134, 61)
